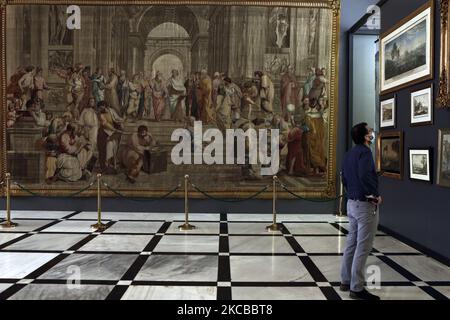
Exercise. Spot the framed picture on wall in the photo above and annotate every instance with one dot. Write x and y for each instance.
(422, 107)
(390, 154)
(406, 50)
(388, 113)
(420, 164)
(443, 172)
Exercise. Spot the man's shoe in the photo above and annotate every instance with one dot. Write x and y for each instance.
(344, 287)
(363, 295)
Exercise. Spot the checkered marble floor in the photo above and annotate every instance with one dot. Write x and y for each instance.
(56, 255)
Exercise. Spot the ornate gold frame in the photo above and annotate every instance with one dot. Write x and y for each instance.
(429, 4)
(443, 98)
(391, 134)
(333, 5)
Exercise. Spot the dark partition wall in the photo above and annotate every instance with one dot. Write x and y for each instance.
(418, 211)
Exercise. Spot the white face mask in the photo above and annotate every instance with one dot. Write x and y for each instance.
(371, 137)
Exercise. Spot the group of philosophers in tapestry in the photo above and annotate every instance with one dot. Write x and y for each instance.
(86, 135)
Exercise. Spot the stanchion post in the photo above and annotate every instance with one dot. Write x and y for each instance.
(100, 226)
(8, 223)
(186, 226)
(340, 212)
(274, 226)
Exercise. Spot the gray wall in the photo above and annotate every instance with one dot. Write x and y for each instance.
(352, 11)
(417, 211)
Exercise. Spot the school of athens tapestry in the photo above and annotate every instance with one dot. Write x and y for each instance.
(102, 89)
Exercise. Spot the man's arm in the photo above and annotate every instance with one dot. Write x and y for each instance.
(366, 174)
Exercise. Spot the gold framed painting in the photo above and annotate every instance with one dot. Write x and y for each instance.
(390, 154)
(406, 50)
(142, 92)
(443, 98)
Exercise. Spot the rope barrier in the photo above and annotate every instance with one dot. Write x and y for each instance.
(118, 193)
(230, 200)
(310, 200)
(141, 200)
(72, 195)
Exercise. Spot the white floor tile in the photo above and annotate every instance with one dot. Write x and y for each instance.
(388, 244)
(71, 226)
(277, 293)
(259, 244)
(117, 243)
(134, 227)
(201, 227)
(313, 244)
(179, 268)
(62, 292)
(47, 242)
(7, 236)
(311, 228)
(250, 228)
(268, 269)
(425, 268)
(170, 293)
(188, 243)
(330, 266)
(17, 265)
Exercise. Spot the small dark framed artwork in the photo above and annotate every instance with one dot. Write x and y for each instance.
(422, 107)
(388, 113)
(443, 172)
(390, 154)
(420, 164)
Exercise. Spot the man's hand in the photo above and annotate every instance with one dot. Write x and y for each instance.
(380, 200)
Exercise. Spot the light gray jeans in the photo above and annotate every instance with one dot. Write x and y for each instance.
(363, 223)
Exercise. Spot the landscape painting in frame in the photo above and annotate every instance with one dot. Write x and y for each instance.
(420, 164)
(443, 173)
(422, 107)
(407, 50)
(117, 91)
(390, 154)
(387, 113)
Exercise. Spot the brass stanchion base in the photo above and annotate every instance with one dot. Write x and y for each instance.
(187, 227)
(9, 224)
(274, 227)
(99, 226)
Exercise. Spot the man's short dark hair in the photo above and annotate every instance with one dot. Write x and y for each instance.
(359, 133)
(142, 129)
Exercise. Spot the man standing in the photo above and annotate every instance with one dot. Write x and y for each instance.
(123, 91)
(98, 85)
(177, 92)
(108, 139)
(111, 97)
(159, 95)
(205, 98)
(361, 183)
(290, 91)
(89, 122)
(266, 91)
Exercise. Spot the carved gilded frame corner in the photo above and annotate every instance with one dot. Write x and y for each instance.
(443, 98)
(334, 5)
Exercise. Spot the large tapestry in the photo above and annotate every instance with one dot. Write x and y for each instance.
(145, 94)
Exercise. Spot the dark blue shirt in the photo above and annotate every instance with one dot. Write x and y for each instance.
(358, 173)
